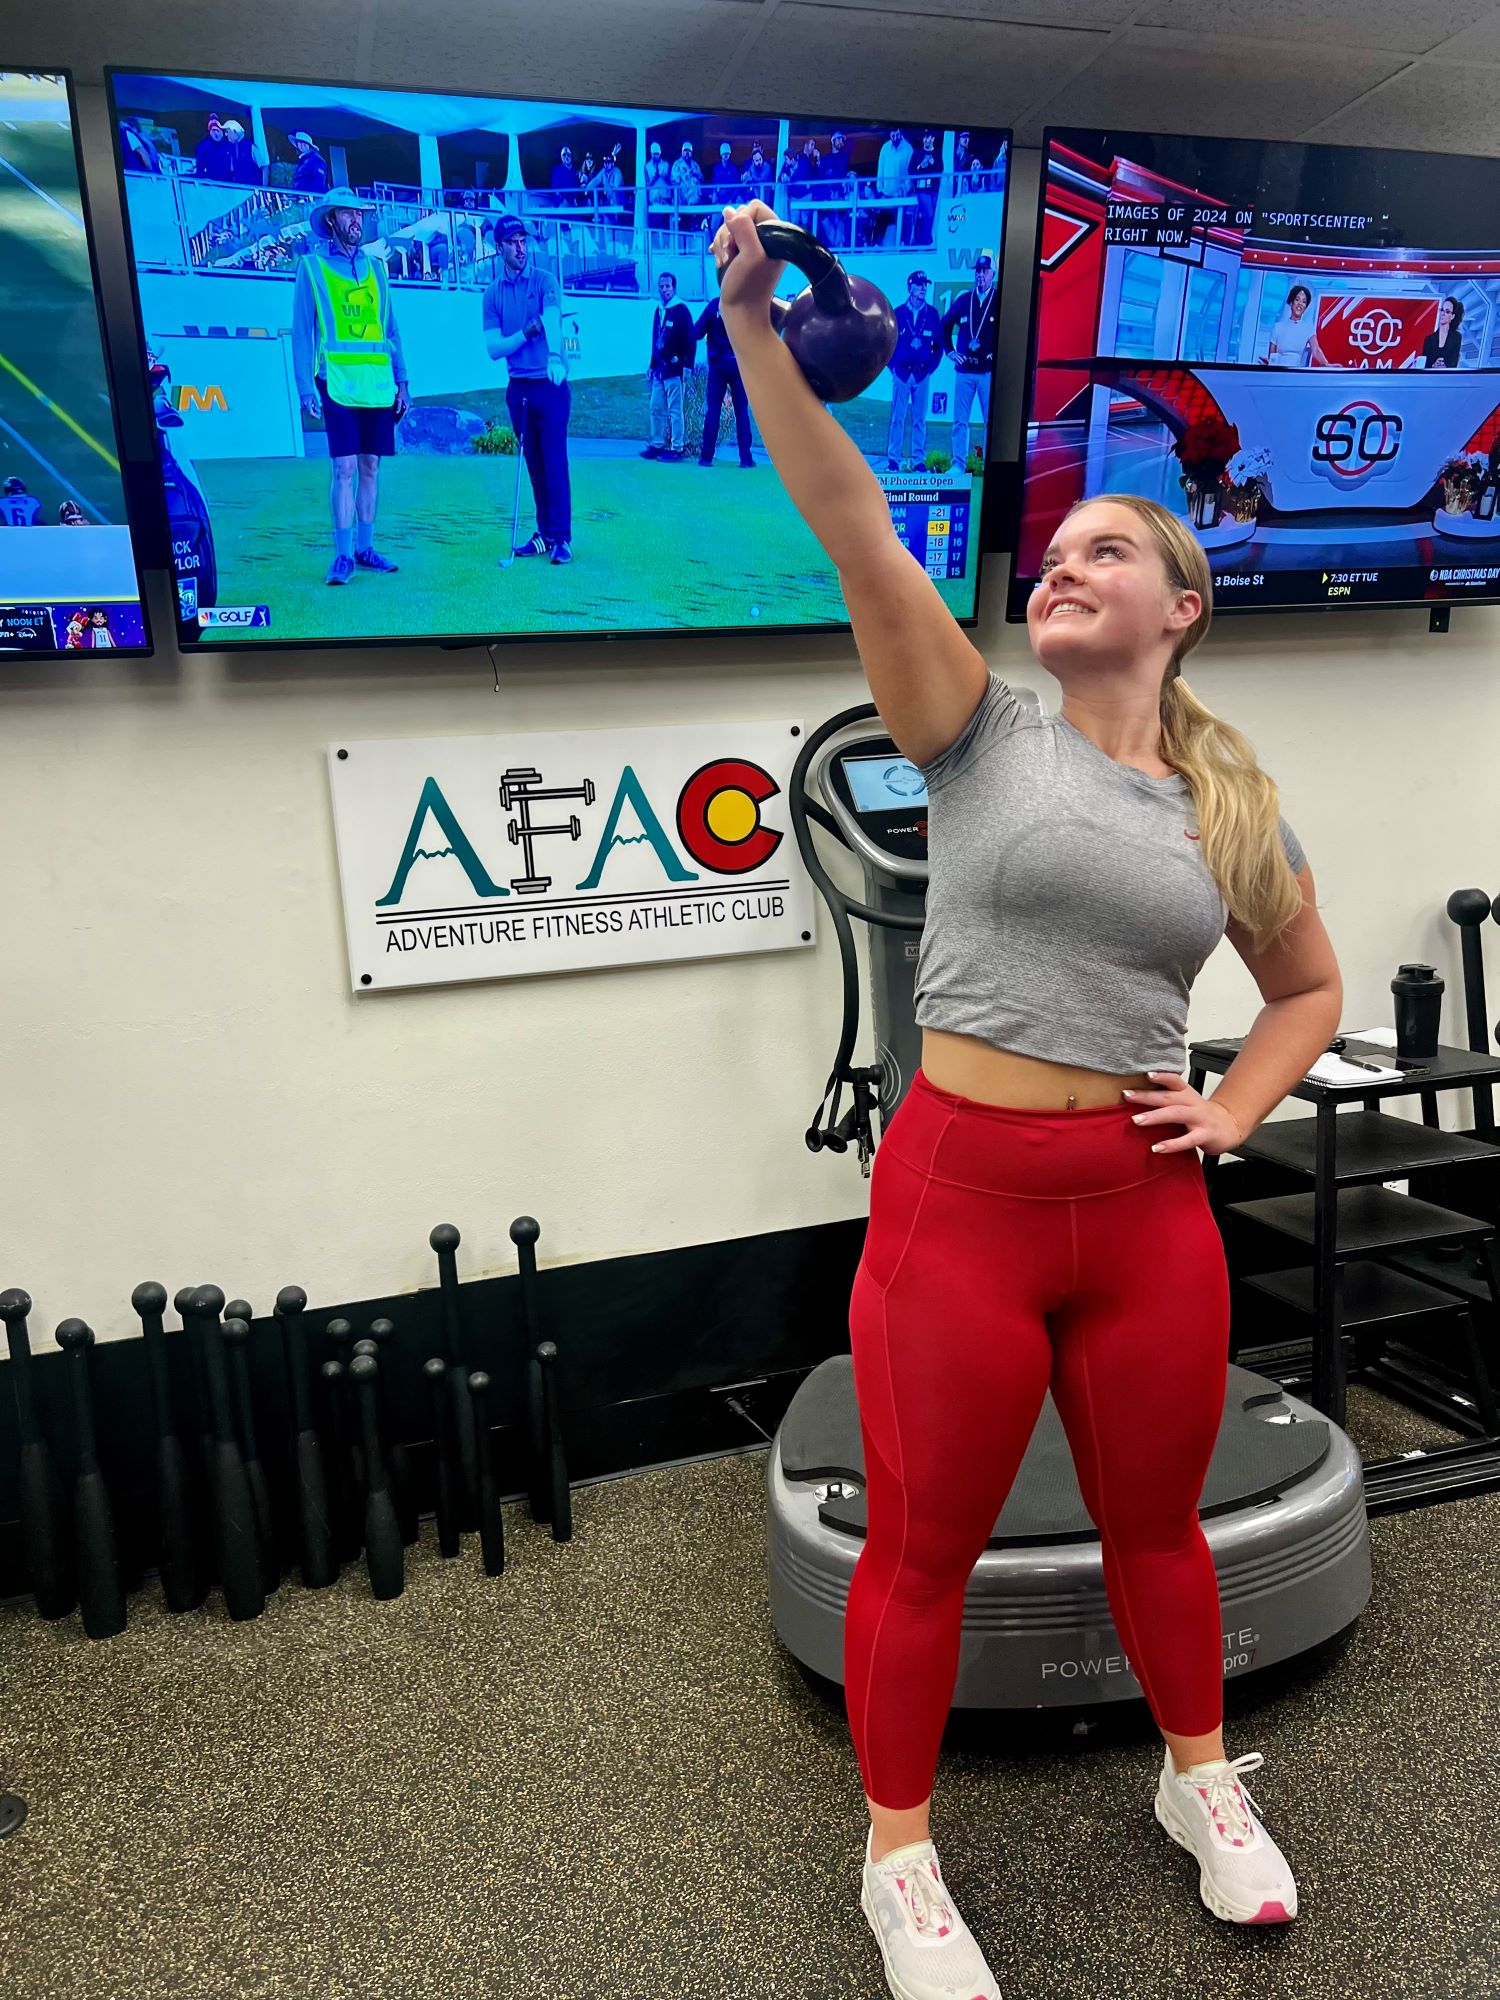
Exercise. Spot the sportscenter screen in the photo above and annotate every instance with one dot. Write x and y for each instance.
(451, 367)
(1295, 347)
(68, 578)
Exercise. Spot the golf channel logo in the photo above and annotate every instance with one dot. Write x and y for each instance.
(228, 615)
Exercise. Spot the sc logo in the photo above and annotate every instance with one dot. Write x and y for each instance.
(1375, 332)
(1357, 440)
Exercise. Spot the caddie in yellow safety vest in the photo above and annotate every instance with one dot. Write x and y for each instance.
(346, 354)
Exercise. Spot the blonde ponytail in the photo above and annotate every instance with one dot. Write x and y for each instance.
(1237, 804)
(1238, 813)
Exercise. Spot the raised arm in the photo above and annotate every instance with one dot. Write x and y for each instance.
(925, 677)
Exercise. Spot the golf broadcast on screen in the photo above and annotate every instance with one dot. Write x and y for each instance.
(1295, 347)
(68, 580)
(431, 366)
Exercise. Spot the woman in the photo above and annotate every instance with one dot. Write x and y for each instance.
(1441, 349)
(1294, 340)
(1038, 1216)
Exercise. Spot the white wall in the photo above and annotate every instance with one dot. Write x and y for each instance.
(191, 1092)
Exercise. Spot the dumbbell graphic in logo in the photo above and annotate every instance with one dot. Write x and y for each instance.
(518, 788)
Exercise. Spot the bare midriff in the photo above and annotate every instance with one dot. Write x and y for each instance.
(970, 1068)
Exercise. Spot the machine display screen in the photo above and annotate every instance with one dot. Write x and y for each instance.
(498, 360)
(884, 784)
(68, 578)
(1297, 348)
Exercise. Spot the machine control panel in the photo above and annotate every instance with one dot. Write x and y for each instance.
(884, 794)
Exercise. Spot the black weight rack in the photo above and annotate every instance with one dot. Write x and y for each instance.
(1379, 1258)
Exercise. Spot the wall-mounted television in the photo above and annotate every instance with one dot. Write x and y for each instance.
(339, 403)
(1296, 347)
(68, 577)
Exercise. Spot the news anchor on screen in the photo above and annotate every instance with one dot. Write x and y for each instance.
(346, 355)
(523, 328)
(1441, 349)
(1294, 337)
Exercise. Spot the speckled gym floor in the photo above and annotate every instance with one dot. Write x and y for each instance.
(599, 1778)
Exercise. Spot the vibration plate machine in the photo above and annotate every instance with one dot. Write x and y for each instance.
(1283, 1504)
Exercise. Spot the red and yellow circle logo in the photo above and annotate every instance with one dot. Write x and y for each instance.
(718, 816)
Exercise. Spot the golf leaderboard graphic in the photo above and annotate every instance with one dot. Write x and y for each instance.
(446, 367)
(68, 581)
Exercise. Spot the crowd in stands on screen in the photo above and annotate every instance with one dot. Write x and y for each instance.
(18, 508)
(226, 154)
(823, 190)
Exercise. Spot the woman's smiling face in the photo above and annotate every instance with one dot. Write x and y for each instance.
(1103, 592)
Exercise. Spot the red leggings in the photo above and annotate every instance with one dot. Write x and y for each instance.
(1010, 1252)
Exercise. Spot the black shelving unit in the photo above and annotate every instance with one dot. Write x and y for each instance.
(1379, 1259)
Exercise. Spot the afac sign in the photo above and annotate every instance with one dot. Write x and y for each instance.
(461, 859)
(718, 822)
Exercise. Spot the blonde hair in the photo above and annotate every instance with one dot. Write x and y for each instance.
(1237, 803)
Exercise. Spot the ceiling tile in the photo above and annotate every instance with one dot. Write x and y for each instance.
(669, 50)
(1412, 26)
(268, 37)
(1430, 108)
(1027, 13)
(1151, 81)
(1481, 43)
(820, 58)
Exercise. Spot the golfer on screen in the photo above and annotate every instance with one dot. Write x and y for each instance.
(523, 327)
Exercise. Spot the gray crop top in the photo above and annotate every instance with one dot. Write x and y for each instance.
(1069, 909)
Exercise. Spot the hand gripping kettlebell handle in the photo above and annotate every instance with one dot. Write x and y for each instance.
(841, 330)
(791, 244)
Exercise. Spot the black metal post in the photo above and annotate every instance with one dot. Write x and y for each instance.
(1330, 1376)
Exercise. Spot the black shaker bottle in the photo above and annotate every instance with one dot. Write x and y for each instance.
(1419, 1005)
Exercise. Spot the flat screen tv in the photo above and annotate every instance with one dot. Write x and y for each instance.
(1295, 347)
(339, 401)
(68, 576)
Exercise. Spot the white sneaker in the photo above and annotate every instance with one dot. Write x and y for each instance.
(1243, 1875)
(928, 1949)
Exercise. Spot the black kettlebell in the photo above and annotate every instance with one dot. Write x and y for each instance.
(841, 330)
